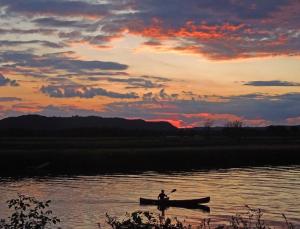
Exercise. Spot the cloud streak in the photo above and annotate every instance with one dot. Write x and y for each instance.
(133, 82)
(56, 8)
(49, 44)
(53, 22)
(27, 31)
(21, 62)
(272, 83)
(71, 91)
(10, 99)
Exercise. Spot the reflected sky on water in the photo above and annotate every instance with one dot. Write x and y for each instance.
(82, 201)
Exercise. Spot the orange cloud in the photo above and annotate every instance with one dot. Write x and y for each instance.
(229, 117)
(204, 31)
(189, 30)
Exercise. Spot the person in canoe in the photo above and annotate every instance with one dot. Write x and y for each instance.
(162, 196)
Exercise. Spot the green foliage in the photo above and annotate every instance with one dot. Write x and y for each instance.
(29, 213)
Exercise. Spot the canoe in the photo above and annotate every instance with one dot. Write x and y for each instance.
(175, 203)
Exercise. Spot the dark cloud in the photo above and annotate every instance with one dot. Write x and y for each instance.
(99, 39)
(141, 83)
(272, 83)
(7, 82)
(132, 82)
(70, 35)
(156, 78)
(61, 80)
(48, 44)
(190, 9)
(27, 31)
(153, 43)
(16, 60)
(70, 91)
(10, 99)
(56, 7)
(91, 75)
(96, 40)
(53, 22)
(36, 73)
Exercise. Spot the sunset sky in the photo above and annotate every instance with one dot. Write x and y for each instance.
(183, 61)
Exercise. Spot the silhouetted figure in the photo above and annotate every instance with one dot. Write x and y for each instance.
(162, 195)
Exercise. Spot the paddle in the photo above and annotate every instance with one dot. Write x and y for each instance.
(174, 190)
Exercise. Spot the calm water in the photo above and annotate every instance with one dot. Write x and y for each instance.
(82, 201)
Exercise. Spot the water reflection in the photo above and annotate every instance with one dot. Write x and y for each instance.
(82, 201)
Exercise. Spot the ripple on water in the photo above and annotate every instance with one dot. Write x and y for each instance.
(82, 201)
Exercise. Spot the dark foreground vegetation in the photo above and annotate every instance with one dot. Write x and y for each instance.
(30, 213)
(251, 219)
(40, 145)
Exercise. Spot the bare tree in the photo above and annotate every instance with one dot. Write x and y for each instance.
(234, 124)
(234, 129)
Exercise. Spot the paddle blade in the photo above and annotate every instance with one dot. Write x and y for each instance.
(174, 190)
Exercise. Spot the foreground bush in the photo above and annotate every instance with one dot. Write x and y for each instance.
(29, 213)
(251, 219)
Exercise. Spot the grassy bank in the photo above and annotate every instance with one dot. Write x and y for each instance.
(91, 155)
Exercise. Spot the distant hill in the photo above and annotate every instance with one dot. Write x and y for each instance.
(38, 122)
(93, 126)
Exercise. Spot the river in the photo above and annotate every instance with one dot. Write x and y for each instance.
(82, 201)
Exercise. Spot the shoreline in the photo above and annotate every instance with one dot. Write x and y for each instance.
(43, 160)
